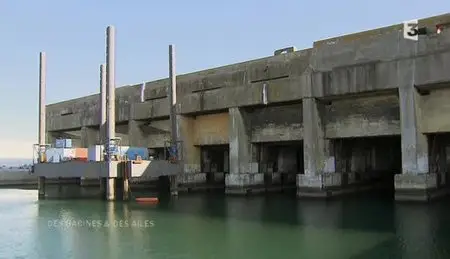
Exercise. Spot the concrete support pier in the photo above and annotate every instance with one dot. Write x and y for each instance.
(111, 189)
(191, 178)
(415, 183)
(173, 185)
(244, 176)
(319, 178)
(41, 188)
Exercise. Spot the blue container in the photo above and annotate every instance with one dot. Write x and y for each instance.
(59, 143)
(67, 143)
(133, 152)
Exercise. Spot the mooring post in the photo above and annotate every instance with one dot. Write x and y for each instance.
(172, 95)
(102, 100)
(42, 130)
(126, 186)
(102, 105)
(173, 183)
(110, 104)
(175, 147)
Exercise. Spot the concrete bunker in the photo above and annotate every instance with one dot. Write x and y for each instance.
(280, 162)
(368, 162)
(215, 162)
(439, 157)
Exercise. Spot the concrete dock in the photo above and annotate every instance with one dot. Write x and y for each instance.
(340, 117)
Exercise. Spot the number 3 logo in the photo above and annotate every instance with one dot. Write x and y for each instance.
(411, 30)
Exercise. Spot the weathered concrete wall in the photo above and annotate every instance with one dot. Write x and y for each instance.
(334, 69)
(436, 111)
(85, 111)
(277, 123)
(358, 117)
(211, 129)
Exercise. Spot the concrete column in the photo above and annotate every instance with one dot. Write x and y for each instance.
(89, 137)
(414, 143)
(244, 173)
(172, 95)
(173, 185)
(189, 155)
(126, 189)
(318, 153)
(41, 188)
(102, 104)
(110, 189)
(110, 85)
(415, 179)
(42, 111)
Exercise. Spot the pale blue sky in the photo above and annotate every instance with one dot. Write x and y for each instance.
(206, 34)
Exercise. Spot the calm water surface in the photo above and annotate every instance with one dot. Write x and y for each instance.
(208, 226)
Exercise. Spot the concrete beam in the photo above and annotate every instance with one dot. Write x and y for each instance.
(277, 123)
(362, 117)
(154, 109)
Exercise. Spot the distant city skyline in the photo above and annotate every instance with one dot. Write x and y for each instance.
(205, 35)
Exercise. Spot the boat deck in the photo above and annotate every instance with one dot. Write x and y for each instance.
(110, 169)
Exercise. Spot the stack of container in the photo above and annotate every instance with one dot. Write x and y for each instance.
(63, 143)
(57, 155)
(95, 153)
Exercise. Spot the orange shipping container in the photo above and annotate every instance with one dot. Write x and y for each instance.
(81, 152)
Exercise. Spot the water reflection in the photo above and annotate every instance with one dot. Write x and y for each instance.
(215, 226)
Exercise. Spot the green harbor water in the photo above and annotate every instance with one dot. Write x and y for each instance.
(214, 226)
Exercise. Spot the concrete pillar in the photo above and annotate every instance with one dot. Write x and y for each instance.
(110, 189)
(173, 185)
(89, 137)
(415, 180)
(102, 104)
(189, 155)
(172, 95)
(318, 153)
(126, 189)
(414, 143)
(41, 188)
(42, 111)
(110, 85)
(244, 173)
